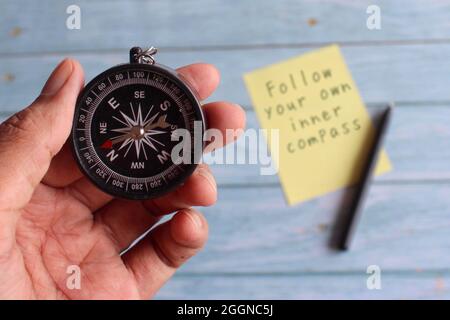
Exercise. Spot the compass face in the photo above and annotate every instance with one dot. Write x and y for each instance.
(125, 124)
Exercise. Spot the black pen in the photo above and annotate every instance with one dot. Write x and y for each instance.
(356, 206)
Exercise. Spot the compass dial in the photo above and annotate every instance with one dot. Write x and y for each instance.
(124, 127)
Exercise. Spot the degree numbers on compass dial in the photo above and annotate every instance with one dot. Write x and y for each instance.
(123, 127)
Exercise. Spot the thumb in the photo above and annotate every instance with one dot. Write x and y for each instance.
(30, 138)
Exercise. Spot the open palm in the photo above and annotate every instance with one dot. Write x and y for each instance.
(54, 223)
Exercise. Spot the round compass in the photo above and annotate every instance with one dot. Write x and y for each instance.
(138, 128)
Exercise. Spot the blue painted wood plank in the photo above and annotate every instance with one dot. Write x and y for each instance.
(403, 227)
(40, 26)
(383, 73)
(308, 286)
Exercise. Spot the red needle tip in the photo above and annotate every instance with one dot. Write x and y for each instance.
(107, 144)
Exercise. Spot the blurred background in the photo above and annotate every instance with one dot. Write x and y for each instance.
(259, 247)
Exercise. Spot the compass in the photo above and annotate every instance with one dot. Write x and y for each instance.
(137, 128)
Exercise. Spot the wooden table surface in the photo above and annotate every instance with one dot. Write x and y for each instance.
(259, 247)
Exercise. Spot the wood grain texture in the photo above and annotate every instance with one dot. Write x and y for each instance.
(259, 247)
(415, 73)
(308, 286)
(404, 227)
(197, 24)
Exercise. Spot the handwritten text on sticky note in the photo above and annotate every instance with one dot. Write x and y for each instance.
(325, 129)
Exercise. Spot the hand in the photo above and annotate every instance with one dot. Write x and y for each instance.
(51, 217)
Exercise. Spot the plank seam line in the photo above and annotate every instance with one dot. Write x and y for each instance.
(399, 103)
(7, 111)
(391, 182)
(331, 273)
(235, 47)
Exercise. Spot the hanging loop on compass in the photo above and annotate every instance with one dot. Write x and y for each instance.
(137, 55)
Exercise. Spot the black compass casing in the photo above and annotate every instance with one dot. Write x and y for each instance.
(123, 126)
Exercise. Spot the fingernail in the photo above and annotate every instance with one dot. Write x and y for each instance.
(58, 77)
(196, 219)
(205, 173)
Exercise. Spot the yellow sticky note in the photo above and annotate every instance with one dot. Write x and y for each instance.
(325, 130)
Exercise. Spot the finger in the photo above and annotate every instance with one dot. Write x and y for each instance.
(158, 255)
(30, 138)
(63, 169)
(84, 191)
(226, 118)
(124, 221)
(202, 77)
(93, 198)
(127, 220)
(200, 189)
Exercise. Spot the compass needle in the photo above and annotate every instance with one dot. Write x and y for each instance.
(150, 121)
(145, 153)
(139, 117)
(148, 113)
(150, 144)
(132, 111)
(153, 139)
(107, 144)
(130, 144)
(137, 145)
(130, 122)
(114, 117)
(125, 143)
